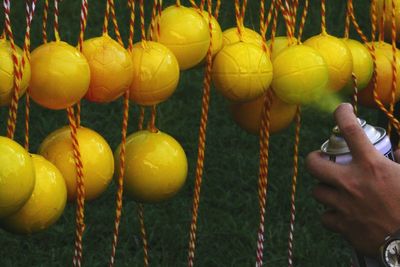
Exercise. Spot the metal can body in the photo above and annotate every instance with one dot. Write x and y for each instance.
(335, 149)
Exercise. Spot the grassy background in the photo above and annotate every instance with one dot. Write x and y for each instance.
(229, 205)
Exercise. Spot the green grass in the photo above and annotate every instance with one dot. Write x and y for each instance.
(229, 205)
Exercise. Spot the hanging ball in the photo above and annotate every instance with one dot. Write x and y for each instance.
(242, 71)
(300, 75)
(17, 176)
(156, 166)
(155, 73)
(216, 32)
(248, 114)
(185, 32)
(388, 17)
(231, 36)
(337, 57)
(110, 69)
(384, 72)
(46, 203)
(363, 66)
(280, 43)
(7, 73)
(60, 75)
(97, 160)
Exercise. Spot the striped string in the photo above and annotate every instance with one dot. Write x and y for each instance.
(274, 26)
(143, 235)
(202, 143)
(217, 9)
(303, 21)
(152, 124)
(178, 3)
(142, 24)
(265, 25)
(193, 3)
(239, 20)
(347, 21)
(263, 175)
(153, 21)
(286, 15)
(141, 118)
(394, 64)
(119, 200)
(382, 23)
(56, 25)
(12, 113)
(355, 93)
(294, 186)
(44, 22)
(131, 5)
(323, 16)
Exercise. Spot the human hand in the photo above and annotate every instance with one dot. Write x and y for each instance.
(363, 196)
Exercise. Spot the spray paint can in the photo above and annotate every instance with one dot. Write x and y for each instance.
(335, 149)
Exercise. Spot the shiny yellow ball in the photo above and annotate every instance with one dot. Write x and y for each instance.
(7, 73)
(242, 71)
(97, 159)
(388, 17)
(280, 43)
(46, 203)
(156, 166)
(231, 36)
(17, 176)
(216, 32)
(60, 75)
(155, 73)
(363, 65)
(248, 114)
(300, 75)
(184, 31)
(337, 56)
(110, 69)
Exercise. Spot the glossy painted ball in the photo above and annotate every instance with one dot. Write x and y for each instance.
(155, 73)
(97, 159)
(231, 36)
(280, 44)
(384, 71)
(300, 75)
(184, 31)
(17, 176)
(45, 205)
(248, 114)
(388, 17)
(363, 65)
(110, 69)
(60, 75)
(156, 166)
(337, 56)
(216, 32)
(7, 73)
(242, 71)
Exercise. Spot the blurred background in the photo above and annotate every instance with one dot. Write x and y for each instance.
(229, 215)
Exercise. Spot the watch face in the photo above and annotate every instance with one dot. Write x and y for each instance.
(392, 253)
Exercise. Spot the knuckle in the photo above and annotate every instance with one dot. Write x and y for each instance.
(351, 128)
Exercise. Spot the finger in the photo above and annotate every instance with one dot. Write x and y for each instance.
(359, 144)
(324, 170)
(328, 196)
(331, 220)
(397, 155)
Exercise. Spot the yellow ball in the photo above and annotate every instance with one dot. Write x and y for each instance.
(156, 166)
(248, 114)
(231, 36)
(155, 73)
(300, 75)
(384, 71)
(7, 73)
(17, 176)
(186, 33)
(60, 75)
(97, 159)
(110, 69)
(337, 57)
(363, 65)
(388, 17)
(216, 33)
(46, 203)
(242, 71)
(280, 43)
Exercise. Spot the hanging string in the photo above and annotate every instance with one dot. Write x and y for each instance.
(274, 26)
(265, 24)
(323, 16)
(382, 23)
(12, 113)
(193, 3)
(263, 175)
(294, 186)
(131, 5)
(239, 20)
(347, 21)
(106, 18)
(119, 200)
(390, 115)
(141, 118)
(356, 25)
(153, 21)
(286, 15)
(142, 25)
(394, 64)
(159, 15)
(143, 235)
(303, 21)
(56, 25)
(217, 9)
(355, 93)
(44, 23)
(202, 142)
(178, 3)
(152, 124)
(80, 187)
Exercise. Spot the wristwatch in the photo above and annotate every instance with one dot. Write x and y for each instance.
(390, 251)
